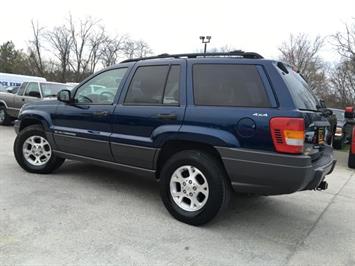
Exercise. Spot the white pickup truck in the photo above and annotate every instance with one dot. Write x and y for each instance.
(10, 104)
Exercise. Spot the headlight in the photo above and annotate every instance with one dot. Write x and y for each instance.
(339, 132)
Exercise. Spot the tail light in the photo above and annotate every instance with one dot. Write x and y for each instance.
(288, 134)
(353, 141)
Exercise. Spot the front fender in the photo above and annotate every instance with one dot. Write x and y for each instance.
(43, 117)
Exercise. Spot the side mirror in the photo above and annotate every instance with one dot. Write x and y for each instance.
(64, 96)
(349, 112)
(34, 94)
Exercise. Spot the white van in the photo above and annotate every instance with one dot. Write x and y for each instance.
(7, 80)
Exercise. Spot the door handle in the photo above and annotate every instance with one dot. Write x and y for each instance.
(100, 114)
(23, 99)
(171, 116)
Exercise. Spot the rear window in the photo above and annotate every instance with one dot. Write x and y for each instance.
(228, 85)
(302, 95)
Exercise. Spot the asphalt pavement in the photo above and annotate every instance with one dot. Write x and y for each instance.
(88, 215)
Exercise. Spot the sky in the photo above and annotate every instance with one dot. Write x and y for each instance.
(175, 26)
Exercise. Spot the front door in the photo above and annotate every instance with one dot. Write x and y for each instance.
(151, 109)
(84, 127)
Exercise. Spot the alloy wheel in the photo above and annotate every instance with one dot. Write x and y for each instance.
(37, 150)
(189, 188)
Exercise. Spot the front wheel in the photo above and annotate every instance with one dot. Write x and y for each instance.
(5, 119)
(351, 159)
(339, 143)
(33, 151)
(194, 187)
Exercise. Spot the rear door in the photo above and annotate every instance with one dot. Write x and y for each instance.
(150, 110)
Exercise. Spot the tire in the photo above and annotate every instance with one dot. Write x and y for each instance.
(351, 160)
(43, 165)
(5, 119)
(338, 144)
(208, 173)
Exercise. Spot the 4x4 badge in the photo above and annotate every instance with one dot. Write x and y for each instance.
(260, 115)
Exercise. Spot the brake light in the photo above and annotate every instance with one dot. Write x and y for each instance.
(287, 134)
(353, 141)
(349, 109)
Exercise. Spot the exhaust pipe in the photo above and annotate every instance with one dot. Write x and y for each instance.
(322, 186)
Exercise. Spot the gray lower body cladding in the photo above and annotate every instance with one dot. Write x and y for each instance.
(271, 173)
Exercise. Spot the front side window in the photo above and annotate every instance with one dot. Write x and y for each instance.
(32, 90)
(101, 89)
(22, 88)
(228, 85)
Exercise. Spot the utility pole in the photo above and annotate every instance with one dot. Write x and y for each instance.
(205, 40)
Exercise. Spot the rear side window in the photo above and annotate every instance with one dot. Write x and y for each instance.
(228, 85)
(154, 85)
(171, 93)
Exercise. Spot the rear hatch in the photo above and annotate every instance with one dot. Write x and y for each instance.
(317, 126)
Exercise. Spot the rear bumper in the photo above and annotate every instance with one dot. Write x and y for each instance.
(272, 173)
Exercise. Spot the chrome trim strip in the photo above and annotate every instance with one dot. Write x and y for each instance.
(98, 161)
(70, 135)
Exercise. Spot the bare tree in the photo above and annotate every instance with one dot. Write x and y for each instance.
(142, 49)
(138, 49)
(35, 48)
(223, 49)
(343, 77)
(342, 80)
(345, 41)
(303, 53)
(95, 47)
(80, 35)
(61, 41)
(112, 50)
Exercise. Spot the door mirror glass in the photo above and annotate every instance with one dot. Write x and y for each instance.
(64, 96)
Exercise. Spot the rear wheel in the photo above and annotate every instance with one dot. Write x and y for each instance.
(33, 151)
(351, 160)
(339, 143)
(5, 119)
(194, 187)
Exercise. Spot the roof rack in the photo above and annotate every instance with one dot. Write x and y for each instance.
(238, 53)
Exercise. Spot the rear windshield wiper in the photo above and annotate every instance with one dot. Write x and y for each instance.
(309, 109)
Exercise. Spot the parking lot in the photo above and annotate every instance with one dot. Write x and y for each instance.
(83, 214)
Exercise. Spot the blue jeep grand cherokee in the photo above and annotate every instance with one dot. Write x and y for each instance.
(199, 123)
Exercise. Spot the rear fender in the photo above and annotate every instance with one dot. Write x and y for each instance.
(210, 136)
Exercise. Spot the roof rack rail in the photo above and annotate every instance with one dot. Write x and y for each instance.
(239, 53)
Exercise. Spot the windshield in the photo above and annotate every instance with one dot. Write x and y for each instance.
(301, 93)
(339, 114)
(52, 89)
